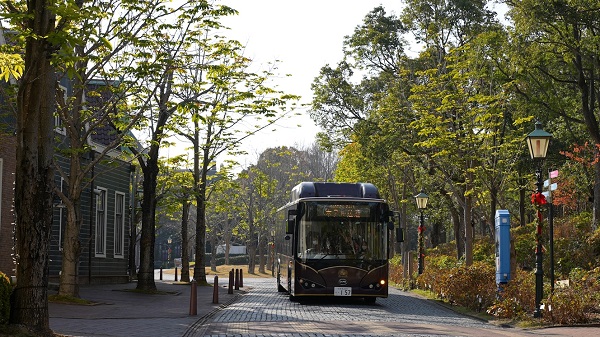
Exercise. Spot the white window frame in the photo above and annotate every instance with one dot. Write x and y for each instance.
(119, 225)
(101, 196)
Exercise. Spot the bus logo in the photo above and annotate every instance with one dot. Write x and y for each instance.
(342, 273)
(343, 282)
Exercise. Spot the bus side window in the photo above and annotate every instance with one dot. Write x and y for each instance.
(291, 221)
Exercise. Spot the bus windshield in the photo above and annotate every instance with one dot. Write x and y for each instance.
(341, 230)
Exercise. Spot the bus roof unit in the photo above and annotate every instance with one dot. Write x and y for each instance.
(353, 190)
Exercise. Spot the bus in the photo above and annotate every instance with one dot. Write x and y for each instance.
(332, 240)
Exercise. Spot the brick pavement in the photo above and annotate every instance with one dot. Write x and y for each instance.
(122, 312)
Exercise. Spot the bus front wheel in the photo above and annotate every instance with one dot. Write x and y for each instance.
(370, 300)
(280, 288)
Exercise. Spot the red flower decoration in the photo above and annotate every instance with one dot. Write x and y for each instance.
(538, 199)
(421, 229)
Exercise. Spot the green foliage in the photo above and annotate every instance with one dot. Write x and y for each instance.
(484, 250)
(524, 241)
(5, 292)
(10, 65)
(575, 244)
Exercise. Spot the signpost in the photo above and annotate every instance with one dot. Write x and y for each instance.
(553, 186)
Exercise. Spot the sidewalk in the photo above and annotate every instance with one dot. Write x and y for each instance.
(118, 311)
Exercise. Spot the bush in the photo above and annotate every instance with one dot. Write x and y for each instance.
(472, 287)
(517, 297)
(579, 303)
(569, 306)
(5, 292)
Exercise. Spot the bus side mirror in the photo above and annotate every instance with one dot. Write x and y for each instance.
(389, 219)
(400, 234)
(291, 221)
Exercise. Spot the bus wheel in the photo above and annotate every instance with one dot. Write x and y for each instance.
(280, 288)
(370, 300)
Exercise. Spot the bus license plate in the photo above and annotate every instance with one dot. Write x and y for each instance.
(342, 291)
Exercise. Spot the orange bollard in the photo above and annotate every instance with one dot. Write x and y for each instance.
(193, 299)
(237, 279)
(230, 288)
(241, 279)
(216, 290)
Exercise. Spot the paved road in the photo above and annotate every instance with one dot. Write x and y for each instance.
(264, 312)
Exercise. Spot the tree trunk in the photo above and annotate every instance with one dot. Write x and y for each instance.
(468, 223)
(200, 266)
(185, 260)
(262, 244)
(596, 210)
(468, 220)
(34, 174)
(69, 283)
(148, 232)
(493, 205)
(213, 251)
(522, 214)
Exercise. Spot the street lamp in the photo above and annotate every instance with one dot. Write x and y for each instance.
(272, 252)
(169, 241)
(538, 141)
(421, 199)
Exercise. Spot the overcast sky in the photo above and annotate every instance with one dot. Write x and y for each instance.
(304, 36)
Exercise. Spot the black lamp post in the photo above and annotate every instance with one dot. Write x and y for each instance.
(538, 141)
(169, 241)
(421, 199)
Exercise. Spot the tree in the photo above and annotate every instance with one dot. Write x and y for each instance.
(167, 90)
(176, 182)
(227, 96)
(34, 170)
(558, 52)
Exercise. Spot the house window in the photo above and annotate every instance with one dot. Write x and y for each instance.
(100, 194)
(119, 223)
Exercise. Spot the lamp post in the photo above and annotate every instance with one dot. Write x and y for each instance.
(272, 252)
(169, 241)
(538, 141)
(421, 199)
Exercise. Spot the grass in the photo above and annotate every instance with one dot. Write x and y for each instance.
(55, 298)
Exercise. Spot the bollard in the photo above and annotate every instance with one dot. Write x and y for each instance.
(237, 279)
(241, 279)
(175, 274)
(216, 290)
(160, 278)
(230, 288)
(193, 299)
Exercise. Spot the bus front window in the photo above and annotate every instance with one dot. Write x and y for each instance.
(335, 239)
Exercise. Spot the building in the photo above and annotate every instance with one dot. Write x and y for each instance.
(106, 202)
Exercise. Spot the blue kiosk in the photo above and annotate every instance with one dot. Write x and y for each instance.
(502, 247)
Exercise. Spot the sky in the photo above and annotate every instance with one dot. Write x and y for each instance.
(304, 36)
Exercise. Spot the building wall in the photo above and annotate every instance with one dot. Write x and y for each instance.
(8, 159)
(113, 178)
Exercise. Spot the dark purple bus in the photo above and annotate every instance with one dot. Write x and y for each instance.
(332, 239)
